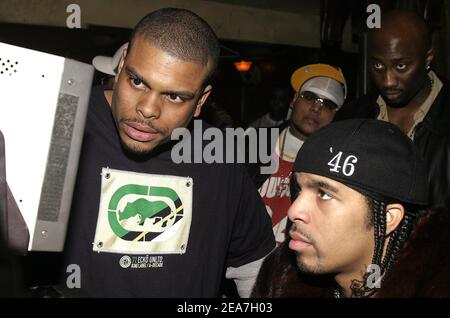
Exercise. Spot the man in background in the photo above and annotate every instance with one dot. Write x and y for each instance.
(278, 106)
(320, 91)
(409, 94)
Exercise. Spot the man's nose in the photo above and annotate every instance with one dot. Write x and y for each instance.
(149, 105)
(299, 210)
(316, 106)
(390, 79)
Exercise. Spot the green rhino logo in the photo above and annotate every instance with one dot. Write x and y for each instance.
(146, 209)
(160, 214)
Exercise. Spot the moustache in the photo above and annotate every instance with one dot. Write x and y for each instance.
(296, 230)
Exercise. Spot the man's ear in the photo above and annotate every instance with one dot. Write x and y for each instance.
(120, 66)
(394, 215)
(202, 100)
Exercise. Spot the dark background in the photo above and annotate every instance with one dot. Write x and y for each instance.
(272, 64)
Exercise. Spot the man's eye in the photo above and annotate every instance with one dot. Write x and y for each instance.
(324, 196)
(328, 104)
(377, 66)
(401, 67)
(309, 97)
(174, 98)
(136, 82)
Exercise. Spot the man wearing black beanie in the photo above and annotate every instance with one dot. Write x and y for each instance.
(360, 223)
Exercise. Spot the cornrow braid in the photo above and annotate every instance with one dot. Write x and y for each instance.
(379, 223)
(398, 238)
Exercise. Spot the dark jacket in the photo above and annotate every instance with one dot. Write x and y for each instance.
(422, 269)
(432, 137)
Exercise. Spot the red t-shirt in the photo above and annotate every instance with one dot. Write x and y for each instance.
(277, 198)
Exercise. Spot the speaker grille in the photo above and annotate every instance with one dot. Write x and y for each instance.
(8, 66)
(55, 172)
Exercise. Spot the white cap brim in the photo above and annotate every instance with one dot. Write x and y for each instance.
(325, 87)
(103, 64)
(108, 64)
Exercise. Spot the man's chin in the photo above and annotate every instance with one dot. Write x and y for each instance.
(304, 268)
(140, 153)
(308, 264)
(395, 103)
(136, 150)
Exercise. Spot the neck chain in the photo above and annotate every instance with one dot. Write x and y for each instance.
(282, 143)
(337, 293)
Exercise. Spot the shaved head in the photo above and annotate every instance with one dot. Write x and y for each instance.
(182, 34)
(406, 24)
(400, 54)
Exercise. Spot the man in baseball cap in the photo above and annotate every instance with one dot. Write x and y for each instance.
(360, 226)
(320, 90)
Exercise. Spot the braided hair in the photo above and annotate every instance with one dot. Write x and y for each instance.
(399, 237)
(377, 219)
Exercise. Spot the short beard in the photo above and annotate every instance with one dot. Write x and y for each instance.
(135, 151)
(140, 154)
(316, 269)
(134, 154)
